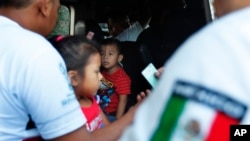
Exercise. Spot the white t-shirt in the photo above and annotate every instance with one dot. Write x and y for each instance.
(33, 81)
(131, 33)
(204, 87)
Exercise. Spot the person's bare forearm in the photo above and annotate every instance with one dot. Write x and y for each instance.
(113, 131)
(121, 106)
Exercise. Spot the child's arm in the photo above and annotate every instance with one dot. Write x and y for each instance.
(121, 105)
(104, 118)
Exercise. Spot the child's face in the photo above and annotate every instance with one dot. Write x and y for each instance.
(90, 80)
(110, 57)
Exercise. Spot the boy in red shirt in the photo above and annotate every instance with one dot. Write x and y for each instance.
(116, 82)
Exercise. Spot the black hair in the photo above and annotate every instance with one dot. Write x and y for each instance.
(15, 3)
(75, 51)
(118, 16)
(112, 41)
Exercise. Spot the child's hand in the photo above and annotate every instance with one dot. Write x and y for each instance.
(140, 98)
(142, 95)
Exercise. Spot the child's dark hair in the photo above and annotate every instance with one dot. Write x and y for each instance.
(75, 51)
(113, 41)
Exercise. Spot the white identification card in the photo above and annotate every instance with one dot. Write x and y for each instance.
(149, 74)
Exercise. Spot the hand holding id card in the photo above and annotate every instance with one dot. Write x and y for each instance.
(149, 74)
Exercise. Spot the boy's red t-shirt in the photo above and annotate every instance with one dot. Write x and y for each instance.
(121, 83)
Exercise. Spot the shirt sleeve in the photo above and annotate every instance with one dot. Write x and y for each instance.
(49, 97)
(131, 33)
(124, 85)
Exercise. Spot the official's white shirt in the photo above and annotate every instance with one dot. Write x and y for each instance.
(33, 81)
(204, 84)
(131, 33)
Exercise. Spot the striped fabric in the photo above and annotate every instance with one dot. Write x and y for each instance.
(122, 85)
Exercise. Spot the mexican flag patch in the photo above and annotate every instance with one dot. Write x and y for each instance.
(197, 113)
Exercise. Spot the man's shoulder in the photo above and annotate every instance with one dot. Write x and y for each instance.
(12, 31)
(220, 31)
(135, 27)
(131, 33)
(230, 21)
(22, 43)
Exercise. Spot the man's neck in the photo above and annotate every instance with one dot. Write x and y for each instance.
(20, 16)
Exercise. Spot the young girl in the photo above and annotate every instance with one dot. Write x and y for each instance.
(120, 82)
(83, 63)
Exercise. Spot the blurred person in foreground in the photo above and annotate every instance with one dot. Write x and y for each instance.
(36, 97)
(205, 85)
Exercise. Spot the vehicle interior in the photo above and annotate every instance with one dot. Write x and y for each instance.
(171, 23)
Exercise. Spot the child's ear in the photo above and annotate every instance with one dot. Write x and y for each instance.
(74, 78)
(120, 57)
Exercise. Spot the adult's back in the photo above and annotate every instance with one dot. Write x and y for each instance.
(205, 83)
(34, 82)
(26, 93)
